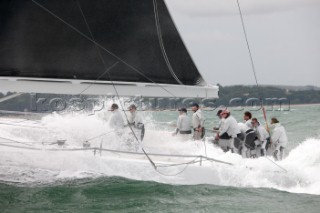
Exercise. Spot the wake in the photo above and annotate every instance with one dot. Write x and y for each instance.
(21, 166)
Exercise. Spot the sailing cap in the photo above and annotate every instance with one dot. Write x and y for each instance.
(274, 120)
(182, 110)
(132, 106)
(195, 105)
(225, 112)
(114, 106)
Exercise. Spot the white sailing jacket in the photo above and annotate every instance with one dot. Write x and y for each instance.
(279, 135)
(135, 118)
(230, 126)
(197, 119)
(221, 122)
(183, 123)
(262, 133)
(249, 124)
(243, 128)
(116, 120)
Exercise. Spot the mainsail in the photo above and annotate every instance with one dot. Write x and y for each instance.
(56, 42)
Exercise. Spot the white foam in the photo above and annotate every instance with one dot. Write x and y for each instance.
(33, 167)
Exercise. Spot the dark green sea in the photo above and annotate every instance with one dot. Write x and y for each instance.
(115, 194)
(27, 184)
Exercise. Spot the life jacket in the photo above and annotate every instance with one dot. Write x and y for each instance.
(249, 139)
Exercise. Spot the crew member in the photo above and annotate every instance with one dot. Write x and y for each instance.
(247, 119)
(135, 120)
(219, 127)
(183, 125)
(116, 121)
(279, 139)
(229, 131)
(221, 120)
(197, 122)
(245, 149)
(262, 136)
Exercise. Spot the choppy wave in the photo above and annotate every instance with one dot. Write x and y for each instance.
(21, 166)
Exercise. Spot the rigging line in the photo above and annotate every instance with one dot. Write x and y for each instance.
(253, 67)
(247, 42)
(194, 161)
(271, 160)
(116, 91)
(176, 164)
(276, 164)
(218, 161)
(16, 141)
(92, 37)
(24, 120)
(163, 50)
(25, 126)
(8, 97)
(204, 143)
(205, 147)
(203, 158)
(99, 45)
(255, 76)
(173, 175)
(98, 136)
(30, 142)
(252, 64)
(95, 81)
(179, 164)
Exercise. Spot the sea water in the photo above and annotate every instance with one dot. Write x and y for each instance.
(43, 181)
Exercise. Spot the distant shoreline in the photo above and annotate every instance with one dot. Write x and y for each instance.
(266, 106)
(313, 104)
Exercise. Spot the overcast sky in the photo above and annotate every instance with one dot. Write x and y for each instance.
(284, 36)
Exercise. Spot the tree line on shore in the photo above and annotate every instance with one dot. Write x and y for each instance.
(226, 95)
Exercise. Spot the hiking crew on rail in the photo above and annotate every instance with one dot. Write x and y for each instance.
(250, 139)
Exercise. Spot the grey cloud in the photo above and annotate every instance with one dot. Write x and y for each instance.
(205, 8)
(284, 39)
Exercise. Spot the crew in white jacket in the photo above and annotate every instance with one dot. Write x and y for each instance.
(116, 121)
(229, 130)
(243, 150)
(135, 120)
(221, 120)
(197, 122)
(279, 139)
(262, 136)
(247, 119)
(183, 125)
